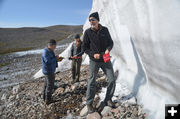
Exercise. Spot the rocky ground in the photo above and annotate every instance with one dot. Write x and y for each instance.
(25, 100)
(20, 67)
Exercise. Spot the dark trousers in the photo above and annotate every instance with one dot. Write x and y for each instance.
(76, 67)
(48, 86)
(91, 89)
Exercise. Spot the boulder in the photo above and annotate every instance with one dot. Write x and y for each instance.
(84, 111)
(106, 110)
(16, 89)
(94, 115)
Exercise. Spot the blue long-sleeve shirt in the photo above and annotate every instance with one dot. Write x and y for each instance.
(49, 61)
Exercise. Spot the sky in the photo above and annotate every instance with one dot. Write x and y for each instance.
(40, 13)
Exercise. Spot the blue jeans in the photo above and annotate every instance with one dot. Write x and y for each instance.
(91, 89)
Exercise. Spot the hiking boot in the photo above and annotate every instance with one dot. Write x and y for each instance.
(48, 102)
(77, 80)
(90, 108)
(110, 104)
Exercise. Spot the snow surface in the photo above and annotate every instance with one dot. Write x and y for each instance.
(37, 51)
(146, 39)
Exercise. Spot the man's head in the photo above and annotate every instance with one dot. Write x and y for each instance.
(94, 19)
(52, 44)
(77, 38)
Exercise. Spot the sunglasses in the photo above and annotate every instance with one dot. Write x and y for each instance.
(93, 19)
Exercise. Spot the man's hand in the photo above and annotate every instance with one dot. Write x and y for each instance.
(107, 51)
(97, 56)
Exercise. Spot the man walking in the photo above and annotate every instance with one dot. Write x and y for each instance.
(97, 42)
(76, 56)
(49, 64)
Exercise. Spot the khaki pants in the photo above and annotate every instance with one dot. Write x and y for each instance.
(76, 66)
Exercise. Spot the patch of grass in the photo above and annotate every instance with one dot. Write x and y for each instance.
(2, 44)
(11, 50)
(59, 39)
(4, 64)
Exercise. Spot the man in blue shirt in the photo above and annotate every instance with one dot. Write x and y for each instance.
(49, 64)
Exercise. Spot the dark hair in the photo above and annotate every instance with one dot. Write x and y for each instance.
(52, 42)
(77, 36)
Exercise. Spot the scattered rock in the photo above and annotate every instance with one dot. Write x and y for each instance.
(101, 78)
(94, 115)
(16, 89)
(4, 97)
(74, 86)
(60, 90)
(84, 111)
(11, 98)
(70, 116)
(106, 110)
(67, 90)
(68, 112)
(19, 96)
(25, 101)
(115, 111)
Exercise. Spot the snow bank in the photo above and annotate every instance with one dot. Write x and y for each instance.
(146, 47)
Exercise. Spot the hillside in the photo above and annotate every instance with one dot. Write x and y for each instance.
(19, 39)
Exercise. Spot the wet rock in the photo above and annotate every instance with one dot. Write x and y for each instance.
(94, 115)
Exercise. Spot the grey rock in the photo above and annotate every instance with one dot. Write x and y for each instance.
(11, 98)
(70, 116)
(106, 110)
(84, 111)
(94, 115)
(4, 97)
(16, 89)
(74, 86)
(19, 96)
